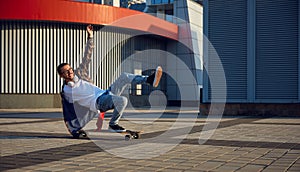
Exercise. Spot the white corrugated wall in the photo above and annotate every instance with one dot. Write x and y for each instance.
(30, 52)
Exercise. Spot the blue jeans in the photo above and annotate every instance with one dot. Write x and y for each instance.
(111, 99)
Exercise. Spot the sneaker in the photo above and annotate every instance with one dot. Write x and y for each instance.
(117, 128)
(154, 79)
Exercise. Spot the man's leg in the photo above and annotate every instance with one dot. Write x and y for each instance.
(126, 78)
(99, 122)
(113, 100)
(118, 103)
(123, 80)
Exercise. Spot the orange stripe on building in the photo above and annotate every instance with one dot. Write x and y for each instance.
(81, 12)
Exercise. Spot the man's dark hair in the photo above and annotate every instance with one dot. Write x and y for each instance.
(60, 66)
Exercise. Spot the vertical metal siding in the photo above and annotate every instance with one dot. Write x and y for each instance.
(277, 50)
(298, 52)
(30, 52)
(2, 56)
(227, 32)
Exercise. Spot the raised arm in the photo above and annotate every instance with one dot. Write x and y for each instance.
(83, 70)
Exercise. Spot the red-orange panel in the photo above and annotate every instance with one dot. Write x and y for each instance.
(80, 12)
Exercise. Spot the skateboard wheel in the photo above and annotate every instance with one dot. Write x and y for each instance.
(82, 133)
(135, 136)
(127, 137)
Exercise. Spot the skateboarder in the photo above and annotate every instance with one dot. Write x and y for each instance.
(78, 89)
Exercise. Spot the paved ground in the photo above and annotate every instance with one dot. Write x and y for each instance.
(37, 141)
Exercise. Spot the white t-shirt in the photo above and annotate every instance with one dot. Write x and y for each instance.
(84, 93)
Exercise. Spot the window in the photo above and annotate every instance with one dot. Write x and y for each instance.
(162, 1)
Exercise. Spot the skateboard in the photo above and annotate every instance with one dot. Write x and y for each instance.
(79, 134)
(129, 134)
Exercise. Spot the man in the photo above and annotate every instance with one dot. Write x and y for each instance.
(79, 89)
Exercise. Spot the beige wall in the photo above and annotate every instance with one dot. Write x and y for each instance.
(21, 101)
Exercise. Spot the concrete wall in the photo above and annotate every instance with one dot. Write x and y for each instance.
(256, 109)
(29, 101)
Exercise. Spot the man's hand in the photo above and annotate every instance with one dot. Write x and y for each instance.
(89, 30)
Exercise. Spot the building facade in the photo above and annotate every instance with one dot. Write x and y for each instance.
(187, 14)
(258, 45)
(36, 39)
(247, 59)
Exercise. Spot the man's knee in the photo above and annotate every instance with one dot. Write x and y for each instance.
(124, 75)
(124, 100)
(120, 101)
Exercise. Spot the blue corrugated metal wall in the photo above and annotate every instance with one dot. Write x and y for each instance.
(277, 53)
(228, 35)
(258, 44)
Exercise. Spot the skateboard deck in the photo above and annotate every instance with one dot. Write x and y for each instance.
(79, 134)
(129, 134)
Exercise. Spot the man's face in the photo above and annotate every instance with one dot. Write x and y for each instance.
(67, 73)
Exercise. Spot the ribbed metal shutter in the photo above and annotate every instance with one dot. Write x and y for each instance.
(31, 50)
(276, 50)
(227, 32)
(108, 56)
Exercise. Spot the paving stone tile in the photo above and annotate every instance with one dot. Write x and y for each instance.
(262, 161)
(226, 168)
(252, 167)
(274, 169)
(169, 170)
(210, 165)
